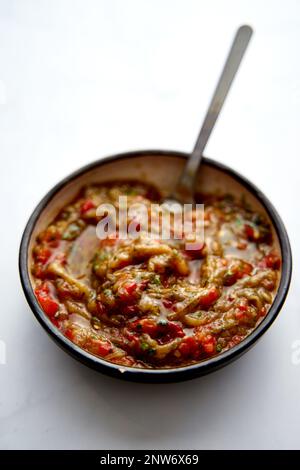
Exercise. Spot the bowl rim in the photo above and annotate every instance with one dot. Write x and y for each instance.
(169, 374)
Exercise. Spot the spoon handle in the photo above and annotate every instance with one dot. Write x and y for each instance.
(185, 187)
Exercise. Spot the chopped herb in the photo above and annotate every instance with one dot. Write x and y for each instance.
(239, 221)
(103, 256)
(162, 322)
(156, 280)
(130, 192)
(146, 348)
(73, 230)
(107, 292)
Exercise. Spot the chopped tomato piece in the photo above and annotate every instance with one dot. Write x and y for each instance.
(229, 278)
(48, 304)
(174, 330)
(209, 344)
(51, 235)
(127, 291)
(242, 308)
(240, 315)
(69, 333)
(263, 311)
(271, 261)
(130, 310)
(189, 347)
(111, 240)
(146, 326)
(168, 304)
(236, 339)
(39, 271)
(209, 298)
(162, 330)
(99, 346)
(236, 272)
(256, 233)
(43, 255)
(131, 342)
(131, 288)
(86, 206)
(104, 348)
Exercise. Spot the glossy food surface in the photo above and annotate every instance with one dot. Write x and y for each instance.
(148, 302)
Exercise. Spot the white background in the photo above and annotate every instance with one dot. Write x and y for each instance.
(83, 79)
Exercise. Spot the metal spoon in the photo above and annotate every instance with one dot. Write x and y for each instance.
(184, 190)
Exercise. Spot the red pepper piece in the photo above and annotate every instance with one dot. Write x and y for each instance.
(48, 304)
(237, 272)
(189, 347)
(209, 344)
(104, 348)
(209, 298)
(147, 326)
(271, 261)
(249, 232)
(130, 310)
(69, 333)
(99, 346)
(163, 331)
(127, 291)
(168, 304)
(174, 330)
(241, 311)
(43, 255)
(86, 206)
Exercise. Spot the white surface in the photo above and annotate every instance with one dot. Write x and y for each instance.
(83, 79)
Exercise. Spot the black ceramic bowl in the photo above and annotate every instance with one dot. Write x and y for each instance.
(162, 169)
